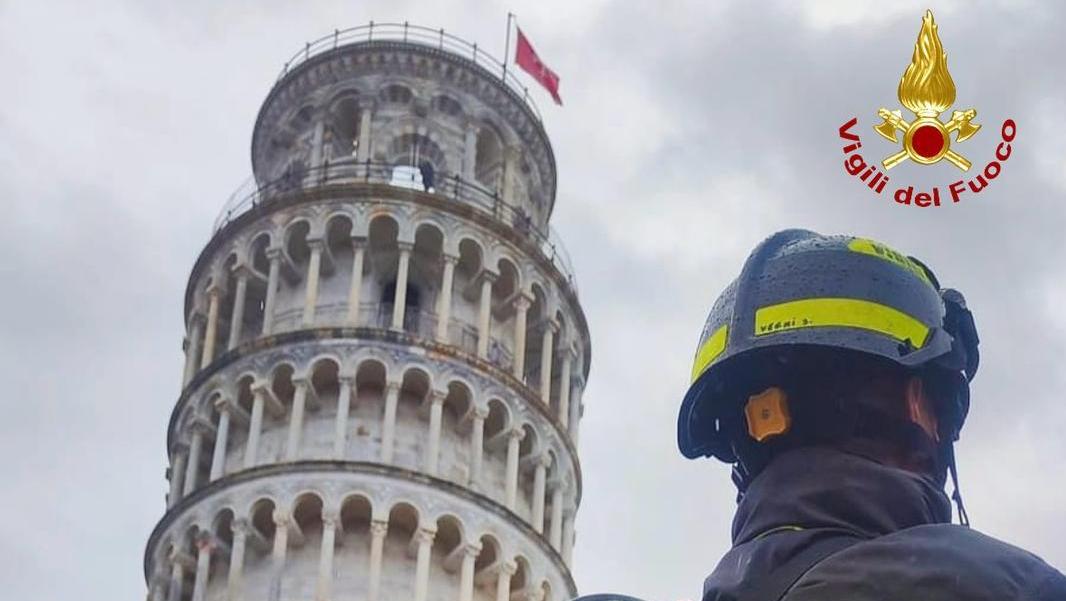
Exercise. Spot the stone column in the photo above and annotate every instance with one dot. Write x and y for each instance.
(177, 578)
(511, 155)
(484, 315)
(274, 254)
(546, 363)
(522, 304)
(277, 558)
(513, 438)
(388, 427)
(425, 546)
(401, 286)
(564, 389)
(378, 529)
(218, 459)
(193, 466)
(575, 412)
(539, 474)
(236, 323)
(192, 349)
(444, 305)
(477, 446)
(255, 425)
(356, 286)
(314, 266)
(324, 586)
(470, 153)
(436, 408)
(362, 153)
(296, 418)
(316, 143)
(555, 535)
(211, 334)
(204, 547)
(506, 570)
(340, 429)
(236, 559)
(568, 538)
(157, 590)
(466, 572)
(177, 472)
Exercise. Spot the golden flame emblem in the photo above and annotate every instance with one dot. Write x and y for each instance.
(927, 89)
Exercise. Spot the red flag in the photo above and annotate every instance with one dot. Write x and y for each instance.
(527, 58)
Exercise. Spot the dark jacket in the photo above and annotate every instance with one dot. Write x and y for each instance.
(907, 551)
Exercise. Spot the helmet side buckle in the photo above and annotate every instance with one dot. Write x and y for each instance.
(767, 414)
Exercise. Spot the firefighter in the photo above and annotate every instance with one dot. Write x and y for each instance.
(834, 374)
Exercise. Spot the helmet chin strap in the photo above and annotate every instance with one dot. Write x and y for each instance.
(956, 493)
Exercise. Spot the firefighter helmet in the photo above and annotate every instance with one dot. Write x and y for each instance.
(799, 288)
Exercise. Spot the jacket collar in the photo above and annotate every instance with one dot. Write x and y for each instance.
(822, 487)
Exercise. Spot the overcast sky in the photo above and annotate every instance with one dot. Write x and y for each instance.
(691, 131)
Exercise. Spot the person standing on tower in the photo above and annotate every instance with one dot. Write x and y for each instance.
(834, 373)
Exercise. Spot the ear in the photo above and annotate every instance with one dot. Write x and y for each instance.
(919, 407)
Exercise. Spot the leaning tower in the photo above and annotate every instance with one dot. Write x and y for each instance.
(385, 352)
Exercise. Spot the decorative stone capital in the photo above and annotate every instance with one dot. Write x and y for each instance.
(507, 568)
(241, 527)
(331, 519)
(437, 396)
(378, 528)
(480, 412)
(544, 460)
(449, 258)
(205, 541)
(273, 253)
(200, 426)
(221, 404)
(523, 302)
(471, 549)
(405, 246)
(392, 387)
(425, 536)
(316, 243)
(282, 519)
(240, 269)
(516, 434)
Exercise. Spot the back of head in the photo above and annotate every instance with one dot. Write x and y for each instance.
(852, 401)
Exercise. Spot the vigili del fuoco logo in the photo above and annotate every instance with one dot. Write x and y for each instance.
(926, 90)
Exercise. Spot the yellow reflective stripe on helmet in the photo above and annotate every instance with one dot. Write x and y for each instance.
(840, 312)
(709, 350)
(876, 249)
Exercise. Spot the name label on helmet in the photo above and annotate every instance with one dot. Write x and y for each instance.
(876, 249)
(709, 351)
(841, 313)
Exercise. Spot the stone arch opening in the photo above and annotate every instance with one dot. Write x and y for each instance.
(343, 135)
(536, 324)
(370, 379)
(488, 161)
(417, 162)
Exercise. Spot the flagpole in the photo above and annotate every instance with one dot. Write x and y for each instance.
(507, 45)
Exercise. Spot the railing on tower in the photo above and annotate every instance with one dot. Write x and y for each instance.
(412, 34)
(346, 171)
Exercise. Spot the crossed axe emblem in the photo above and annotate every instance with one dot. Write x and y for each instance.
(927, 140)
